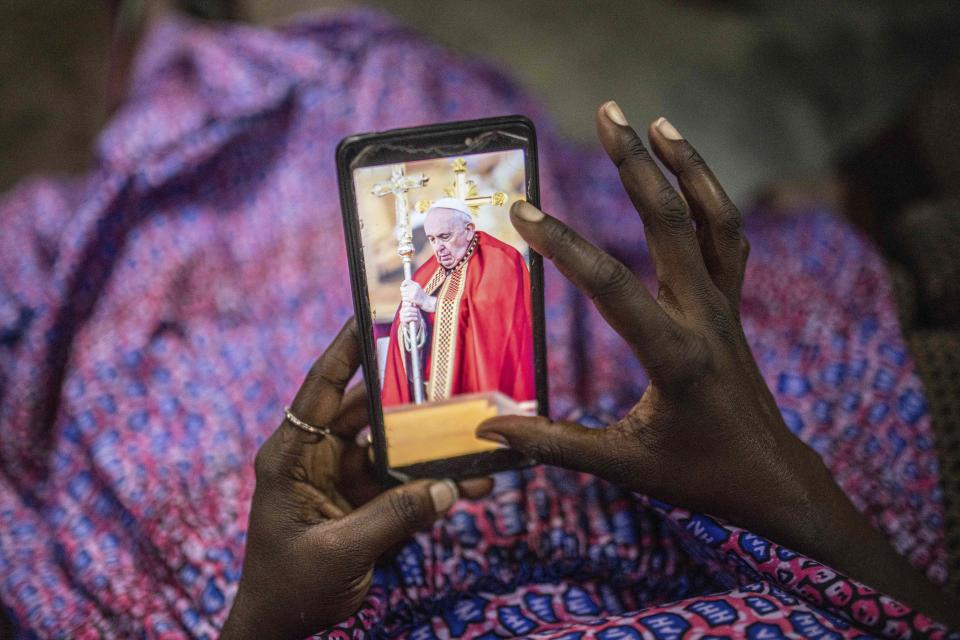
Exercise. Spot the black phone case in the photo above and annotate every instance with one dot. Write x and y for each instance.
(421, 143)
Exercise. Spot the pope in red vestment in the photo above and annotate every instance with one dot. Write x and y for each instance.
(472, 302)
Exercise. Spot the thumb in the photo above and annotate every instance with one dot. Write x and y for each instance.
(561, 444)
(395, 515)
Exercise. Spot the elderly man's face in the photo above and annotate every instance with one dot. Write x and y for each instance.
(449, 235)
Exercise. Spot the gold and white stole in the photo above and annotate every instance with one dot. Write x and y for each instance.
(443, 346)
(445, 321)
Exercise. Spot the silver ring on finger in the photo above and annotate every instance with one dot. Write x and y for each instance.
(309, 428)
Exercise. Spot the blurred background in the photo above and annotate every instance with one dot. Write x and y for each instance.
(778, 89)
(845, 104)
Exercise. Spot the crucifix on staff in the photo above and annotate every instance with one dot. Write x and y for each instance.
(397, 186)
(466, 190)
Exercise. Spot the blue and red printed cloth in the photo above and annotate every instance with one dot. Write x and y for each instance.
(157, 313)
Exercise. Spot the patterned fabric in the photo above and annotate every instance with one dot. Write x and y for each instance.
(156, 315)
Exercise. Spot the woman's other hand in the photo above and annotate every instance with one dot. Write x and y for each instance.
(310, 552)
(706, 434)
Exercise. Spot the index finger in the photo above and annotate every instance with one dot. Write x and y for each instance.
(320, 396)
(620, 297)
(317, 403)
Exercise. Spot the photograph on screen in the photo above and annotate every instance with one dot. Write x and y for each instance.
(449, 289)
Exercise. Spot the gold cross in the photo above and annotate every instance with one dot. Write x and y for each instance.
(466, 191)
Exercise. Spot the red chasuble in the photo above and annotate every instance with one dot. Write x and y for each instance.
(480, 338)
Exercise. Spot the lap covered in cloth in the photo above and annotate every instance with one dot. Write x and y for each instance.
(157, 314)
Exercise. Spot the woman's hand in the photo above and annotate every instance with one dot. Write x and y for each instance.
(706, 434)
(310, 553)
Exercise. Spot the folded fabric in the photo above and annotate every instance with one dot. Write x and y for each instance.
(158, 313)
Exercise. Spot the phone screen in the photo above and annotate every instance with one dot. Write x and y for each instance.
(450, 299)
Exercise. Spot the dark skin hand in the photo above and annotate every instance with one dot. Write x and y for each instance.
(706, 434)
(319, 521)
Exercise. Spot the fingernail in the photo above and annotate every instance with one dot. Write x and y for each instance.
(444, 494)
(613, 111)
(364, 437)
(528, 212)
(473, 485)
(667, 130)
(492, 437)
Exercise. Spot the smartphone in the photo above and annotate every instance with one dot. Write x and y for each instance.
(448, 296)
